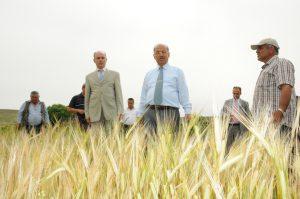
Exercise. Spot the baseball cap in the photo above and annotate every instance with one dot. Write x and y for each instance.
(268, 41)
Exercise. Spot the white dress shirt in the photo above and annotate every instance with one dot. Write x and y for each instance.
(235, 110)
(35, 116)
(129, 116)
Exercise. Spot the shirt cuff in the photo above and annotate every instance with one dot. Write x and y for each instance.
(291, 83)
(187, 110)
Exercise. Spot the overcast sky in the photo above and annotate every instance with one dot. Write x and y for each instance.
(48, 45)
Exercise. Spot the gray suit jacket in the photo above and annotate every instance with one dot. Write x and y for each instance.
(103, 96)
(243, 109)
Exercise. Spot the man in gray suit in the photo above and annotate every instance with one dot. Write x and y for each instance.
(233, 107)
(103, 94)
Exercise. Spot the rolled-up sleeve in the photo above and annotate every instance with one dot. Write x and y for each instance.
(285, 74)
(72, 102)
(183, 93)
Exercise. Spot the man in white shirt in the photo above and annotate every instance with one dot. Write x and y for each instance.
(33, 114)
(130, 115)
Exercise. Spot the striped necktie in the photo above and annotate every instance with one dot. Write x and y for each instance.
(235, 111)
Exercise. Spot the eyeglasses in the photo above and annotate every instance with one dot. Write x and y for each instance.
(162, 52)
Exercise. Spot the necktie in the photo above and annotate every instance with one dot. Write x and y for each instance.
(101, 74)
(235, 110)
(158, 88)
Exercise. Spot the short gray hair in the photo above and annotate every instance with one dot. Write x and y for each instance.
(100, 51)
(167, 47)
(275, 48)
(34, 93)
(238, 87)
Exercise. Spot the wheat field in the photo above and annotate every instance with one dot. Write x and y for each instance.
(64, 162)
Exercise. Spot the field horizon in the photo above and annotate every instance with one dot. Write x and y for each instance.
(8, 116)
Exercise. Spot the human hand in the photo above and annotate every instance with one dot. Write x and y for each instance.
(88, 120)
(277, 116)
(188, 117)
(120, 117)
(80, 111)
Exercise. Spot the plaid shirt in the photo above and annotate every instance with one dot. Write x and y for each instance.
(276, 72)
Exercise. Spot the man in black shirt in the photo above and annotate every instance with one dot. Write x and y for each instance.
(77, 106)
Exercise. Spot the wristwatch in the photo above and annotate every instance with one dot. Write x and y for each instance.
(279, 109)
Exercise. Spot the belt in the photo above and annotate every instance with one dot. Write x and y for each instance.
(160, 107)
(33, 125)
(235, 124)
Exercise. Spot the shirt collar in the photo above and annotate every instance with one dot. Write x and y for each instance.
(165, 67)
(36, 103)
(269, 62)
(104, 69)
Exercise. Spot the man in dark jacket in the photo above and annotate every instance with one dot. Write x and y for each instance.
(77, 106)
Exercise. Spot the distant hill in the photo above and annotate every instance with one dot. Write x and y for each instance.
(8, 116)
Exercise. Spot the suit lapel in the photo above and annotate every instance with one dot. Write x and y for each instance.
(242, 105)
(106, 75)
(96, 77)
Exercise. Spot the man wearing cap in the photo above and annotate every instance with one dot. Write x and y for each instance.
(164, 90)
(274, 91)
(103, 95)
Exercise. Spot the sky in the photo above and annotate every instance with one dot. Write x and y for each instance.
(48, 45)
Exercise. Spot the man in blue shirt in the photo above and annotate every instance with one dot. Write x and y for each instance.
(33, 113)
(164, 90)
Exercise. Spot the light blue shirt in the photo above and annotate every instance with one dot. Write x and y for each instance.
(175, 91)
(101, 73)
(35, 116)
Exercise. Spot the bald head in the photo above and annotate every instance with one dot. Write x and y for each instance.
(161, 46)
(161, 54)
(100, 59)
(99, 52)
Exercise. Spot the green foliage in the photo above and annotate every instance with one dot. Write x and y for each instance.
(58, 113)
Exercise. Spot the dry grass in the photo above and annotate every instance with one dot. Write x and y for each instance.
(8, 116)
(64, 162)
